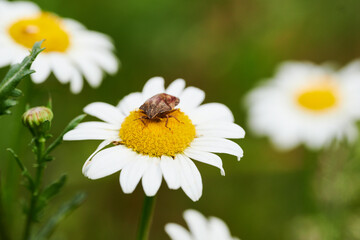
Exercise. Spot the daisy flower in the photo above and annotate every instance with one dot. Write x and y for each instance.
(307, 104)
(72, 52)
(200, 228)
(150, 149)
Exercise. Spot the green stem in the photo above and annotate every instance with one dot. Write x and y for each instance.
(146, 217)
(3, 226)
(40, 146)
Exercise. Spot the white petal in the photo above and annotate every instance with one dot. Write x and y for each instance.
(24, 6)
(130, 103)
(42, 69)
(18, 54)
(191, 98)
(211, 112)
(190, 178)
(219, 229)
(105, 112)
(97, 125)
(177, 232)
(197, 224)
(109, 161)
(205, 157)
(5, 56)
(151, 180)
(220, 129)
(152, 87)
(132, 173)
(101, 146)
(93, 39)
(176, 87)
(76, 82)
(88, 67)
(61, 66)
(91, 134)
(218, 145)
(170, 170)
(73, 24)
(105, 59)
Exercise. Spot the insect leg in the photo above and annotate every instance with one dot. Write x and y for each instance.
(141, 119)
(167, 120)
(174, 117)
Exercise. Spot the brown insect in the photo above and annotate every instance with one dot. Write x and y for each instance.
(158, 107)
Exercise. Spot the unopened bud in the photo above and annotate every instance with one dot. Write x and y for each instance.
(38, 119)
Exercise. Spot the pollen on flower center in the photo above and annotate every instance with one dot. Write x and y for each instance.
(155, 139)
(46, 26)
(319, 97)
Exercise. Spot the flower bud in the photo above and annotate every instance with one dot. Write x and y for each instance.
(38, 120)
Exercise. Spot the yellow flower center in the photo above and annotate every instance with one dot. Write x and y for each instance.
(153, 137)
(47, 26)
(319, 97)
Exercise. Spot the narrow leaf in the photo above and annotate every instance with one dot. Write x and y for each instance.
(4, 235)
(54, 188)
(16, 73)
(69, 127)
(16, 93)
(49, 192)
(23, 169)
(66, 209)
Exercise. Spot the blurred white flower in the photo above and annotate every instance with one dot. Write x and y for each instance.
(71, 51)
(200, 228)
(306, 103)
(150, 149)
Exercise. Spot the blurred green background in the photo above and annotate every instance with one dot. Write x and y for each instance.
(221, 46)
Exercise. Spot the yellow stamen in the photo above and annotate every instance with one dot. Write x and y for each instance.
(318, 97)
(153, 138)
(47, 26)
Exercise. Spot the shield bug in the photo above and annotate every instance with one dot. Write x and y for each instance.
(159, 106)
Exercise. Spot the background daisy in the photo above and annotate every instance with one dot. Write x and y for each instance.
(306, 103)
(200, 228)
(150, 150)
(72, 52)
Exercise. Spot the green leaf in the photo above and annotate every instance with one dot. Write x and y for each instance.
(54, 188)
(24, 171)
(49, 105)
(16, 93)
(4, 228)
(48, 193)
(65, 210)
(69, 127)
(16, 73)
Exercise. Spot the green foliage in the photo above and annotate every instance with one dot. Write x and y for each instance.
(66, 209)
(73, 123)
(24, 172)
(17, 72)
(39, 196)
(45, 196)
(54, 188)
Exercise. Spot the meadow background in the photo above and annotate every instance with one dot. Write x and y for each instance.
(225, 47)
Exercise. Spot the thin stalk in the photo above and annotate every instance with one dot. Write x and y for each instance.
(146, 218)
(40, 146)
(3, 227)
